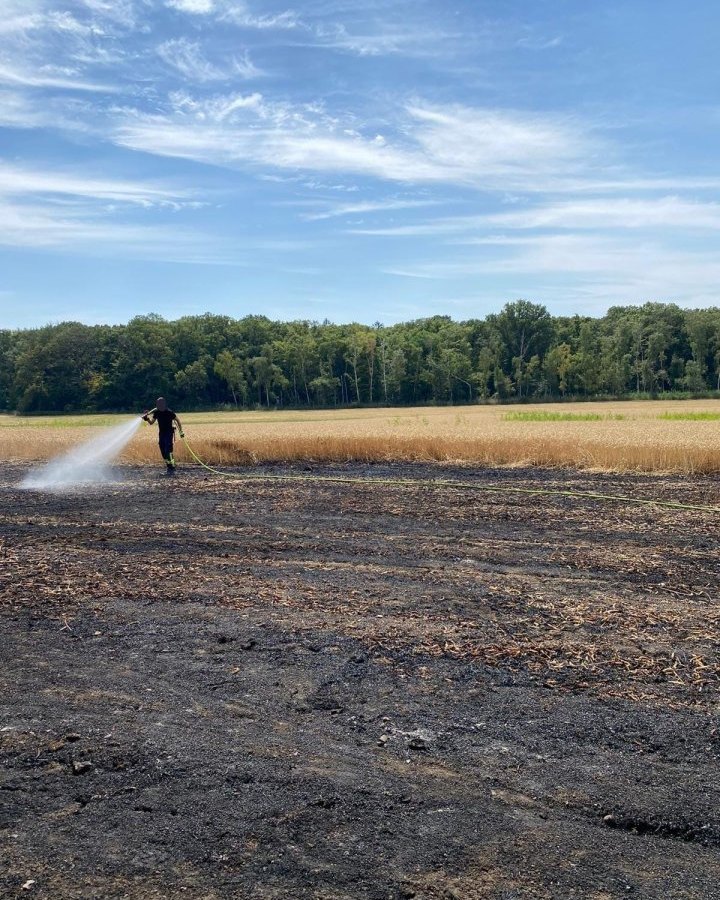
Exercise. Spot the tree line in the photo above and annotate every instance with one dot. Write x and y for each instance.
(520, 353)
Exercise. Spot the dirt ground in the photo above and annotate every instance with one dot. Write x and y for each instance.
(216, 688)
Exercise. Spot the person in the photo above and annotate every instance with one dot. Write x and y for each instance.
(166, 420)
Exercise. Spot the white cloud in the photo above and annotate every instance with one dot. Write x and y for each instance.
(119, 12)
(16, 111)
(606, 268)
(235, 13)
(622, 271)
(486, 145)
(630, 184)
(238, 14)
(352, 209)
(463, 146)
(459, 224)
(245, 67)
(386, 41)
(19, 24)
(216, 109)
(271, 145)
(85, 227)
(23, 78)
(322, 27)
(85, 214)
(599, 214)
(613, 212)
(536, 42)
(89, 231)
(187, 58)
(22, 108)
(194, 7)
(66, 22)
(78, 213)
(18, 181)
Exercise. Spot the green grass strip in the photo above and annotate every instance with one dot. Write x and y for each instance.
(690, 416)
(544, 416)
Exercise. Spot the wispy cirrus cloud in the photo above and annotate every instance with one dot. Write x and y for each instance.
(20, 181)
(125, 14)
(193, 7)
(287, 20)
(273, 146)
(388, 40)
(539, 42)
(22, 108)
(187, 58)
(18, 111)
(599, 214)
(595, 270)
(376, 206)
(463, 146)
(62, 22)
(489, 146)
(347, 29)
(45, 50)
(212, 110)
(78, 226)
(615, 213)
(22, 77)
(236, 13)
(72, 210)
(85, 229)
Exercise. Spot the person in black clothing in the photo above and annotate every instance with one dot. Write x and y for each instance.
(166, 420)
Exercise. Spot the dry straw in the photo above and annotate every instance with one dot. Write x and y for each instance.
(604, 436)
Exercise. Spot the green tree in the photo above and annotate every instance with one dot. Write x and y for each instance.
(526, 330)
(693, 380)
(192, 381)
(230, 369)
(324, 389)
(559, 366)
(297, 352)
(268, 378)
(144, 366)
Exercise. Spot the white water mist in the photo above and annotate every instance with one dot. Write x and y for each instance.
(88, 463)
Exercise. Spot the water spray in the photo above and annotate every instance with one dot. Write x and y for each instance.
(87, 464)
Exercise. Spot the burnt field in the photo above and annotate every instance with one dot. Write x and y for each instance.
(216, 688)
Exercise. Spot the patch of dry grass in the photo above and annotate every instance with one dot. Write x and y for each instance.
(625, 436)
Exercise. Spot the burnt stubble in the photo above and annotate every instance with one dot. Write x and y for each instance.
(224, 688)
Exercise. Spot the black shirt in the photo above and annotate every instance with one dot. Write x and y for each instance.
(165, 419)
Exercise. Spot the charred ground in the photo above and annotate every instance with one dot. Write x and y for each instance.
(222, 688)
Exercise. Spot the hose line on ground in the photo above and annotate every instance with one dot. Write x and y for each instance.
(452, 485)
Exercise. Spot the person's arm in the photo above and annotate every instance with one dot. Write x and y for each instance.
(146, 417)
(179, 427)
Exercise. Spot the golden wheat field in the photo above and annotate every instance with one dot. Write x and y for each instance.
(661, 436)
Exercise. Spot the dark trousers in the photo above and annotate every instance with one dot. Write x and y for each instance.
(166, 444)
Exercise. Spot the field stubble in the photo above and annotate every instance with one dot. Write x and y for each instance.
(670, 437)
(224, 688)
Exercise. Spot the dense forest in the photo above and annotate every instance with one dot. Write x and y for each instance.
(520, 353)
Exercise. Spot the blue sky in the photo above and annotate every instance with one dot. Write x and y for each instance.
(375, 161)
